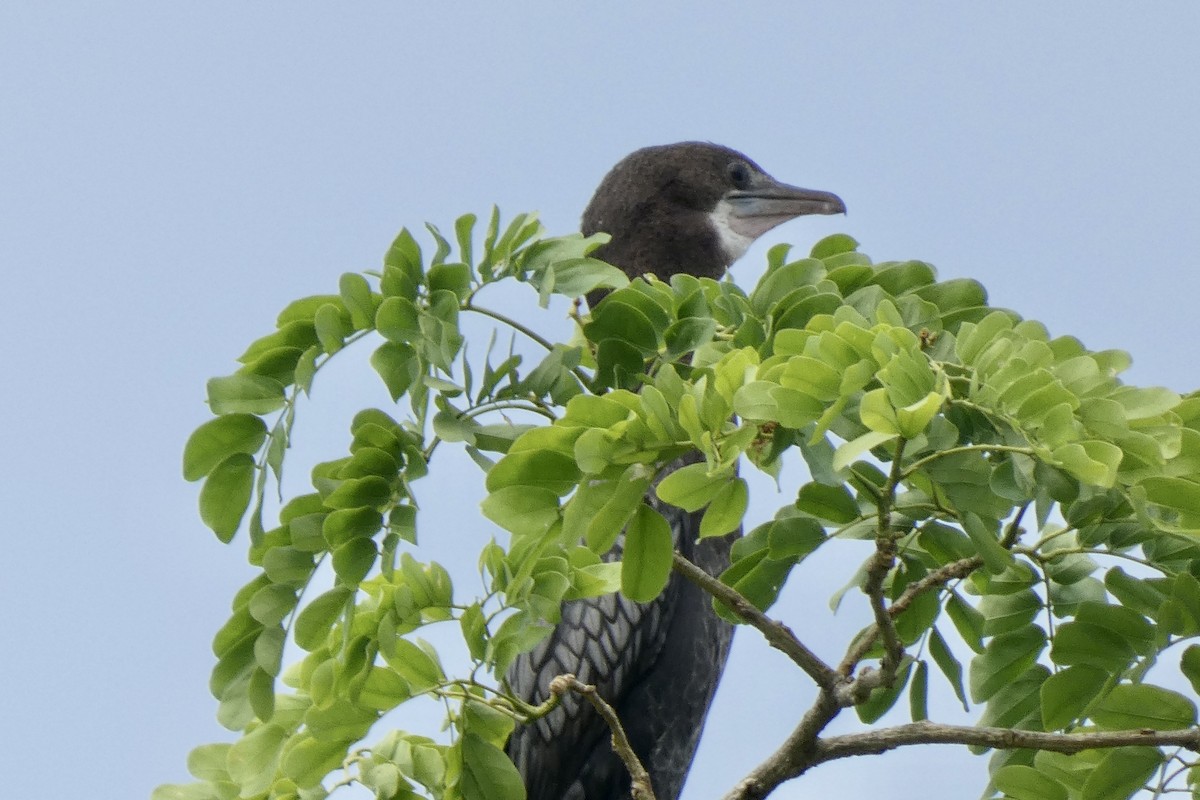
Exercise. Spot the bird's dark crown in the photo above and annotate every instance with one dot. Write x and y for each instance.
(691, 207)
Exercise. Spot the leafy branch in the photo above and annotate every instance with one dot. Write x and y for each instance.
(931, 424)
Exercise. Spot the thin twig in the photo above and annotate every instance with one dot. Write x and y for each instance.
(881, 564)
(777, 634)
(640, 788)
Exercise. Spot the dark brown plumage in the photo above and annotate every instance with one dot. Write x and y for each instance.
(694, 208)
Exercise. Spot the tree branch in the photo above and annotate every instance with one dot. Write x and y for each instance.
(881, 564)
(641, 788)
(777, 634)
(795, 758)
(885, 739)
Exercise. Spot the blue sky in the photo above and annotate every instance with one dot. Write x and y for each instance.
(171, 174)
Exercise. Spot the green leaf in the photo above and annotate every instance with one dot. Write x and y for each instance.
(539, 469)
(399, 320)
(332, 326)
(487, 773)
(1121, 773)
(208, 762)
(685, 335)
(1093, 461)
(451, 426)
(356, 295)
(308, 759)
(1004, 658)
(226, 494)
(877, 413)
(967, 621)
(463, 228)
(287, 565)
(522, 510)
(398, 366)
(245, 394)
(474, 631)
(1026, 783)
(691, 487)
(725, 511)
(414, 664)
(1085, 643)
(617, 319)
(370, 491)
(948, 664)
(353, 560)
(1141, 705)
(343, 525)
(793, 538)
(986, 539)
(848, 452)
(1066, 695)
(219, 438)
(575, 277)
(646, 561)
(316, 618)
(455, 278)
(272, 603)
(832, 503)
(252, 760)
(832, 245)
(918, 693)
(1179, 494)
(884, 697)
(1189, 664)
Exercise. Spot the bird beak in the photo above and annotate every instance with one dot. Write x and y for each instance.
(755, 211)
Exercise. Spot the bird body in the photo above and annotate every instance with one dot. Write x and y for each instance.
(688, 208)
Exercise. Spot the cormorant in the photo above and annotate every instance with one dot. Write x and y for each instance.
(690, 207)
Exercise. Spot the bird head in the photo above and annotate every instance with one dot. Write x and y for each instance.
(691, 207)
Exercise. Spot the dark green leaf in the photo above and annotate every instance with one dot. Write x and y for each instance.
(1139, 705)
(833, 503)
(884, 697)
(1003, 659)
(948, 664)
(1067, 694)
(1121, 773)
(1190, 665)
(985, 536)
(1084, 643)
(371, 491)
(1026, 783)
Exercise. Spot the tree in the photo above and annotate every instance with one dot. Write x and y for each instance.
(1026, 508)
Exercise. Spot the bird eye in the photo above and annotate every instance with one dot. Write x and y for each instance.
(739, 173)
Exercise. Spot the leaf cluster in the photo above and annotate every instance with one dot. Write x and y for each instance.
(1014, 495)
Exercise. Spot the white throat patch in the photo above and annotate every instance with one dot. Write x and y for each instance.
(733, 242)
